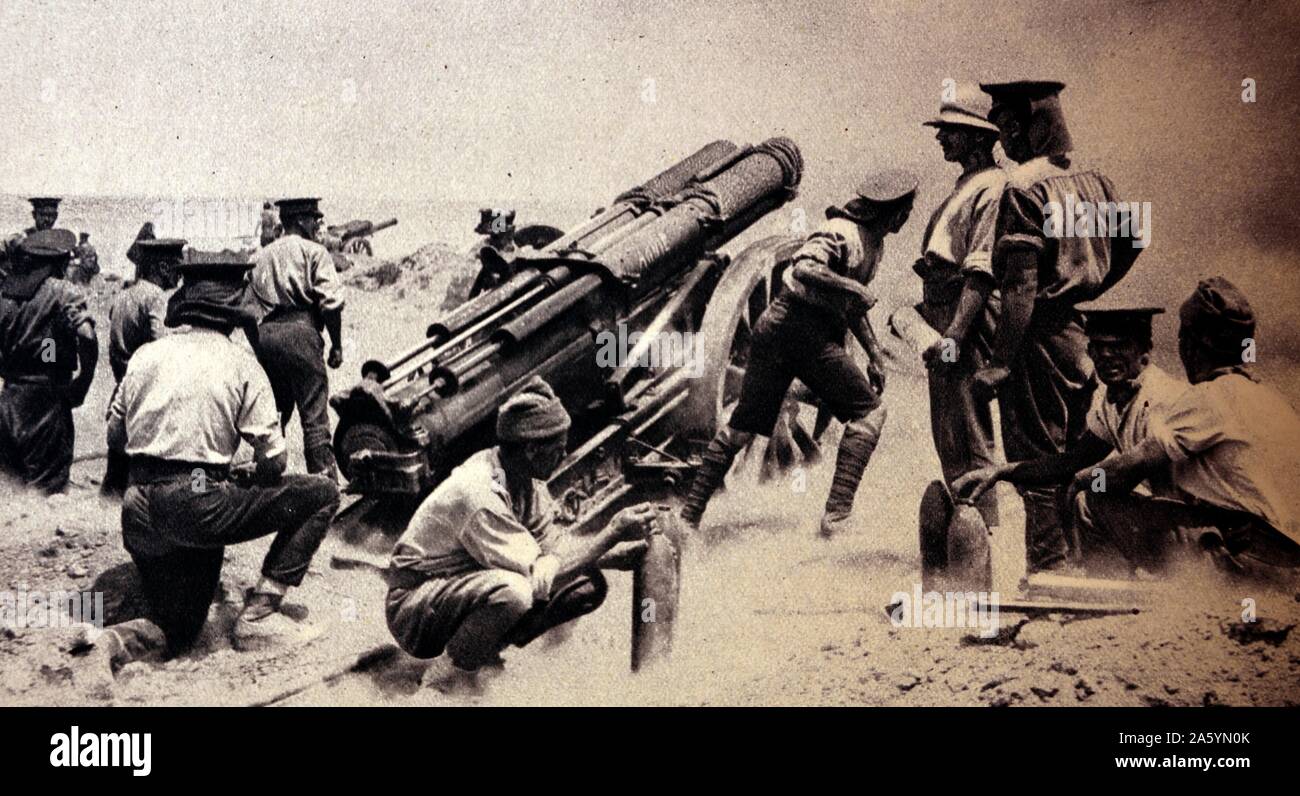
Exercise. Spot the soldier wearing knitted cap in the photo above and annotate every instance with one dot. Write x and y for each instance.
(1231, 445)
(48, 353)
(480, 566)
(298, 286)
(185, 404)
(1134, 394)
(959, 293)
(1038, 363)
(802, 335)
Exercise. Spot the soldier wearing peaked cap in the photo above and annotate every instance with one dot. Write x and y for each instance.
(1039, 365)
(1133, 396)
(135, 319)
(45, 214)
(295, 281)
(959, 293)
(183, 407)
(802, 335)
(48, 352)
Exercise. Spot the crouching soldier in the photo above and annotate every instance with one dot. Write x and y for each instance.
(137, 317)
(180, 412)
(1232, 445)
(480, 567)
(1133, 395)
(802, 335)
(46, 336)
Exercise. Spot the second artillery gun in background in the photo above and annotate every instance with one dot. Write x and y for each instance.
(643, 277)
(354, 236)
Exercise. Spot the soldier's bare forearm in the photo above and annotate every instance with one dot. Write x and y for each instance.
(824, 277)
(1019, 289)
(974, 295)
(334, 325)
(1058, 468)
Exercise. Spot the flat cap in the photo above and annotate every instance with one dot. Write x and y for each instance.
(969, 107)
(39, 202)
(887, 185)
(160, 248)
(222, 266)
(49, 243)
(290, 208)
(494, 219)
(1022, 90)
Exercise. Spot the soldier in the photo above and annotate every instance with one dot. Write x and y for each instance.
(48, 352)
(85, 262)
(1133, 396)
(959, 297)
(480, 565)
(802, 335)
(297, 284)
(184, 404)
(498, 252)
(1039, 365)
(268, 227)
(45, 213)
(137, 317)
(1232, 447)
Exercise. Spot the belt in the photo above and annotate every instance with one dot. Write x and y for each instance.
(38, 379)
(150, 470)
(404, 578)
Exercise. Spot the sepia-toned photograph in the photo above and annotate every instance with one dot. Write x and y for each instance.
(675, 354)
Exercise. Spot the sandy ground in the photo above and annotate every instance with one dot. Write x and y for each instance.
(771, 615)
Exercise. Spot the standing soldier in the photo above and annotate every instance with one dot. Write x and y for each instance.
(802, 335)
(85, 262)
(959, 299)
(48, 352)
(182, 409)
(136, 318)
(1039, 365)
(45, 213)
(297, 284)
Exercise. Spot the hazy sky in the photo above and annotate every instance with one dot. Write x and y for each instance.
(570, 101)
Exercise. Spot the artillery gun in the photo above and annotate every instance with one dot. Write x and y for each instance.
(635, 318)
(354, 236)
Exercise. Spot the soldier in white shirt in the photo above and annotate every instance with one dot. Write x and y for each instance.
(1134, 393)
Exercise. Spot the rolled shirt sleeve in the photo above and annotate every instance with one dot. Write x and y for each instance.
(1191, 426)
(498, 541)
(1019, 221)
(983, 234)
(326, 287)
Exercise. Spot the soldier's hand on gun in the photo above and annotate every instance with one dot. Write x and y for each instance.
(633, 522)
(335, 356)
(972, 486)
(1081, 482)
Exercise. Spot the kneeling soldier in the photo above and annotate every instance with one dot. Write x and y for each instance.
(180, 412)
(46, 334)
(480, 566)
(802, 335)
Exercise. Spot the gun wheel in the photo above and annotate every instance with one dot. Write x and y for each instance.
(355, 437)
(747, 287)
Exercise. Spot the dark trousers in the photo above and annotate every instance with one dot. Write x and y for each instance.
(793, 340)
(36, 434)
(176, 530)
(473, 616)
(291, 352)
(1043, 406)
(1120, 532)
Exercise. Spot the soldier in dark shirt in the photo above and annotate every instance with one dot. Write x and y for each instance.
(48, 351)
